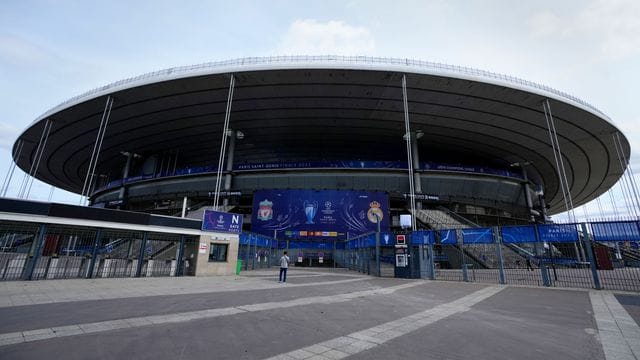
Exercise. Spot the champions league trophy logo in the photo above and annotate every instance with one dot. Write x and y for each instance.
(310, 210)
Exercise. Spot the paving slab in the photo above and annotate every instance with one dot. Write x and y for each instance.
(320, 316)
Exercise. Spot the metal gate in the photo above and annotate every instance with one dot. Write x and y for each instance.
(256, 251)
(33, 251)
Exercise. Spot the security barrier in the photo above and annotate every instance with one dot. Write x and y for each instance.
(32, 251)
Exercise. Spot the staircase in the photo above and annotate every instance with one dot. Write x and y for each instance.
(439, 220)
(483, 255)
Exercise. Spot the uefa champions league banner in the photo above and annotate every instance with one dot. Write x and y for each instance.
(477, 236)
(448, 237)
(422, 237)
(318, 214)
(518, 234)
(558, 232)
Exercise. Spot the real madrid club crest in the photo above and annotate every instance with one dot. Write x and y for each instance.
(375, 214)
(265, 211)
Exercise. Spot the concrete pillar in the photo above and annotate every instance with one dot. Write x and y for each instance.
(416, 165)
(230, 154)
(125, 174)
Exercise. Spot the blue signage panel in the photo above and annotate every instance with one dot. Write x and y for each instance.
(558, 232)
(311, 214)
(387, 239)
(221, 221)
(518, 234)
(477, 236)
(422, 237)
(448, 237)
(616, 231)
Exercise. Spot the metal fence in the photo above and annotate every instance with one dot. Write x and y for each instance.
(256, 251)
(586, 255)
(600, 255)
(31, 251)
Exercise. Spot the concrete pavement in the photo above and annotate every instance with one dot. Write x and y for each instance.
(317, 314)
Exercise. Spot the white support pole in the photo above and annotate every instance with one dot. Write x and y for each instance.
(95, 163)
(16, 156)
(412, 192)
(184, 206)
(223, 143)
(38, 158)
(632, 176)
(557, 155)
(100, 135)
(626, 178)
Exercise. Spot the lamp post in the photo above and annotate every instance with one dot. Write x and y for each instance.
(378, 245)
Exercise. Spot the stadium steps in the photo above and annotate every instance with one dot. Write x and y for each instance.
(387, 270)
(481, 255)
(167, 252)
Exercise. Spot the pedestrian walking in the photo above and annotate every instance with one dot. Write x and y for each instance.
(529, 267)
(284, 265)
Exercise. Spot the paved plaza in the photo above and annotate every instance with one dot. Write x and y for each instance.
(317, 314)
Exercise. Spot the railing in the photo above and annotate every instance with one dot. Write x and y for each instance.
(238, 64)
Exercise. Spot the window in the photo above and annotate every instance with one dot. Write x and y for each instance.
(218, 252)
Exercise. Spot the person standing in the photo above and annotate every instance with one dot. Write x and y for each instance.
(284, 265)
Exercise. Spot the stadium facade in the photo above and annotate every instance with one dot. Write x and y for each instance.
(486, 147)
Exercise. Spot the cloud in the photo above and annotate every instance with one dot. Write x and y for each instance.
(17, 50)
(310, 37)
(545, 24)
(611, 25)
(8, 135)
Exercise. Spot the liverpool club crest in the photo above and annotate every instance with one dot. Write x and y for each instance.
(265, 211)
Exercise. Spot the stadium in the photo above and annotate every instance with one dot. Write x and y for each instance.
(321, 149)
(328, 123)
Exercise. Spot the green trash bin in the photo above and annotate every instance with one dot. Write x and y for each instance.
(238, 266)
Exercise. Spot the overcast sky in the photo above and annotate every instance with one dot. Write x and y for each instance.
(53, 50)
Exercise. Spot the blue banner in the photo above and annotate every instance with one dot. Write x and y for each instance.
(518, 234)
(616, 231)
(422, 237)
(351, 164)
(448, 237)
(477, 236)
(387, 239)
(558, 233)
(317, 215)
(221, 221)
(256, 240)
(325, 245)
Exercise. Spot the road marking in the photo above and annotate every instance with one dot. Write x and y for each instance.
(619, 333)
(344, 346)
(101, 326)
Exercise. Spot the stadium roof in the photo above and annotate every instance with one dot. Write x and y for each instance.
(332, 107)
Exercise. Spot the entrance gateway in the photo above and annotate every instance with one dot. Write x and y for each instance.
(327, 228)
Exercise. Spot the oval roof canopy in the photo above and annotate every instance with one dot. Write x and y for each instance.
(326, 108)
